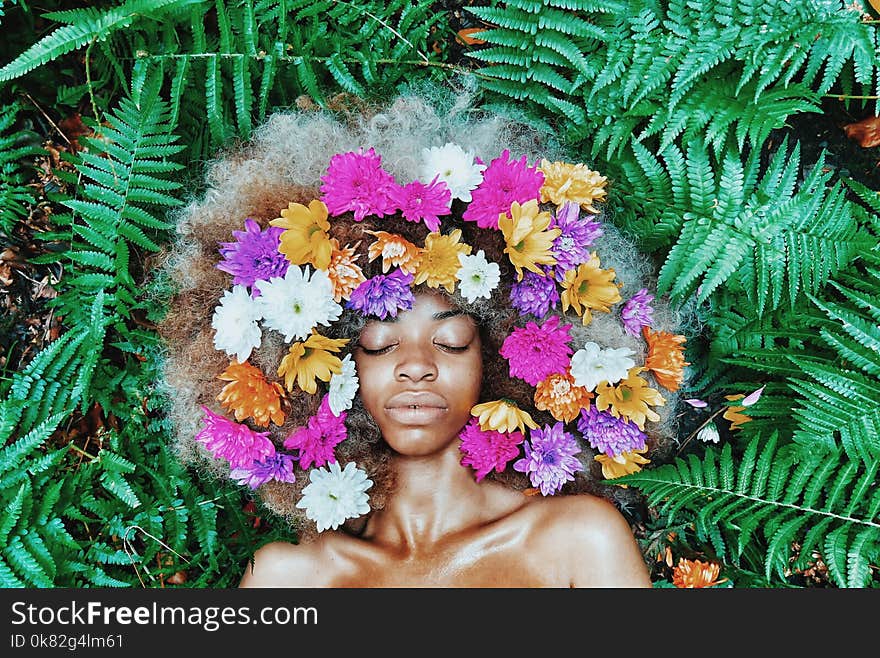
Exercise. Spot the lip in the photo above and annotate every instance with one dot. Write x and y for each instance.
(416, 408)
(416, 399)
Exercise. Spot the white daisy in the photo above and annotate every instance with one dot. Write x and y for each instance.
(477, 277)
(454, 166)
(709, 433)
(342, 387)
(236, 331)
(592, 365)
(296, 304)
(334, 495)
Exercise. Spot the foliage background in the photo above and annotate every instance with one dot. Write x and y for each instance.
(701, 114)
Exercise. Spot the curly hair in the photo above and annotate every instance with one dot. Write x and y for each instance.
(283, 163)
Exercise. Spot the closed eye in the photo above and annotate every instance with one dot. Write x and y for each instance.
(452, 348)
(381, 350)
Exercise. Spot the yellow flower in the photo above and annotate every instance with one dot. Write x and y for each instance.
(558, 395)
(311, 360)
(665, 357)
(630, 398)
(590, 287)
(576, 183)
(305, 239)
(502, 416)
(529, 242)
(395, 251)
(343, 272)
(622, 464)
(249, 395)
(439, 262)
(694, 573)
(732, 412)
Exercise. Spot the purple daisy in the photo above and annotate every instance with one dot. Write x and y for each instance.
(423, 202)
(484, 450)
(570, 247)
(503, 183)
(637, 312)
(383, 295)
(254, 256)
(275, 467)
(535, 294)
(608, 434)
(236, 443)
(534, 352)
(550, 460)
(356, 182)
(318, 439)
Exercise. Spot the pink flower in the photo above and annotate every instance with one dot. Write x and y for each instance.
(356, 182)
(487, 449)
(236, 443)
(503, 183)
(420, 202)
(317, 440)
(536, 352)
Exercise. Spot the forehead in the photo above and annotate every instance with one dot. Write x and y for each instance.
(427, 308)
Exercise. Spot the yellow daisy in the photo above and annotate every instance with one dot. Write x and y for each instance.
(529, 241)
(588, 288)
(310, 360)
(564, 182)
(502, 416)
(630, 398)
(439, 262)
(249, 395)
(395, 251)
(305, 239)
(623, 464)
(343, 271)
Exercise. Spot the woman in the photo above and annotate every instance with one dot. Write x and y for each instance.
(414, 357)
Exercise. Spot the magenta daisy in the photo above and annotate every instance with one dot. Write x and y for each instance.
(571, 246)
(254, 255)
(484, 450)
(549, 458)
(423, 202)
(608, 434)
(275, 467)
(535, 294)
(383, 295)
(317, 440)
(503, 183)
(637, 312)
(356, 182)
(535, 352)
(236, 443)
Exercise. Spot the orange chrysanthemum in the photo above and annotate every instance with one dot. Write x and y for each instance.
(502, 416)
(623, 464)
(694, 573)
(590, 288)
(732, 413)
(630, 398)
(249, 395)
(564, 182)
(311, 360)
(395, 251)
(558, 395)
(439, 262)
(343, 272)
(529, 241)
(305, 239)
(665, 357)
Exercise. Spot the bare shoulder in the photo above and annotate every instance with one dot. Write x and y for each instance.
(282, 564)
(589, 535)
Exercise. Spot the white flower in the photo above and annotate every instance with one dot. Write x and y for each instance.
(236, 331)
(296, 304)
(334, 495)
(343, 387)
(454, 166)
(592, 365)
(477, 277)
(709, 433)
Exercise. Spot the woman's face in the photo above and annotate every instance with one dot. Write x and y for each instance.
(420, 373)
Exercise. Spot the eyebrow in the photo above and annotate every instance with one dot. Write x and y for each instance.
(440, 315)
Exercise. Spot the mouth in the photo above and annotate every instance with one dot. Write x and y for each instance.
(416, 414)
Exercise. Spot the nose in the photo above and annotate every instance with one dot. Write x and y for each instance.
(415, 364)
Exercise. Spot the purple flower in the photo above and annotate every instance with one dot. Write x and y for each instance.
(484, 450)
(356, 182)
(236, 443)
(550, 460)
(316, 442)
(570, 247)
(275, 467)
(254, 256)
(383, 295)
(535, 294)
(611, 435)
(637, 312)
(420, 202)
(503, 183)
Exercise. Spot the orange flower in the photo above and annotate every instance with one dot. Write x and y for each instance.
(344, 273)
(439, 264)
(572, 182)
(665, 357)
(305, 238)
(249, 395)
(395, 251)
(590, 287)
(558, 395)
(693, 573)
(310, 360)
(732, 412)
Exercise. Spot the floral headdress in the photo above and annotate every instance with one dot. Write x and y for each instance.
(295, 278)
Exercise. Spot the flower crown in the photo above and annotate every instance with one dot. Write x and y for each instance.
(293, 278)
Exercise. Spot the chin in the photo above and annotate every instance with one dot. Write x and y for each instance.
(419, 442)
